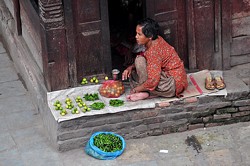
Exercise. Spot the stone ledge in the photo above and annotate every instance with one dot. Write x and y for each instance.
(166, 118)
(148, 122)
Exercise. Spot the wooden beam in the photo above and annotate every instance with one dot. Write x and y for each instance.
(217, 57)
(17, 17)
(54, 45)
(191, 36)
(226, 20)
(71, 48)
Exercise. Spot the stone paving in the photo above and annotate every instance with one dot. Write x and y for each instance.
(24, 141)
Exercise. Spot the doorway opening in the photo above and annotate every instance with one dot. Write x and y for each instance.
(123, 17)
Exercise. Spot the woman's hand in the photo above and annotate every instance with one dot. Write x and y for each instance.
(126, 73)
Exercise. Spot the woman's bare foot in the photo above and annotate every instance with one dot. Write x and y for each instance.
(137, 96)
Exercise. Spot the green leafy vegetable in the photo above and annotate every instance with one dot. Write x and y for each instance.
(91, 96)
(116, 102)
(108, 142)
(97, 105)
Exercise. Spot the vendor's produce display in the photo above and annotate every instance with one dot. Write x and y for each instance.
(69, 104)
(112, 89)
(84, 81)
(97, 105)
(77, 105)
(75, 111)
(116, 102)
(105, 145)
(91, 96)
(63, 112)
(58, 105)
(90, 101)
(94, 80)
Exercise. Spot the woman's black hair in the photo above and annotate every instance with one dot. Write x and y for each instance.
(150, 28)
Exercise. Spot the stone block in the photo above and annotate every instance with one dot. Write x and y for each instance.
(141, 128)
(144, 114)
(180, 122)
(183, 128)
(195, 126)
(191, 100)
(157, 119)
(244, 113)
(240, 103)
(247, 108)
(74, 134)
(155, 132)
(195, 120)
(226, 110)
(170, 110)
(210, 99)
(222, 116)
(213, 124)
(117, 119)
(154, 126)
(163, 104)
(236, 88)
(203, 113)
(207, 119)
(177, 116)
(129, 124)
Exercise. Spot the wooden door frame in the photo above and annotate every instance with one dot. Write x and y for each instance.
(226, 21)
(54, 45)
(71, 37)
(191, 36)
(223, 33)
(70, 27)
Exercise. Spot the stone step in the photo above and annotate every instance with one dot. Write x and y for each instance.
(178, 116)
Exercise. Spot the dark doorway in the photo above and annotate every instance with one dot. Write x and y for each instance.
(123, 16)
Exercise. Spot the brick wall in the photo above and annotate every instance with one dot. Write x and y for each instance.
(166, 118)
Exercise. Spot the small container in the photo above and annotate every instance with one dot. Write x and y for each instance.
(115, 73)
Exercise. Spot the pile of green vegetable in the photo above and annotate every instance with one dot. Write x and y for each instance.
(116, 102)
(108, 142)
(91, 96)
(97, 105)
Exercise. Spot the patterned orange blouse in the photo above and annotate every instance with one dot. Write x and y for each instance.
(162, 57)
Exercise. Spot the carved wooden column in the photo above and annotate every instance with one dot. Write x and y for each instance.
(54, 48)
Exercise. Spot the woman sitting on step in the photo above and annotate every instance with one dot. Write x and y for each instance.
(159, 71)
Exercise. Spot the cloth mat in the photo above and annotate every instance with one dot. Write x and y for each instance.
(196, 87)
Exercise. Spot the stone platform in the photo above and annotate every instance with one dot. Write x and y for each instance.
(178, 116)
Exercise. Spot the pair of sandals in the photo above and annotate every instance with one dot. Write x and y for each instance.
(214, 82)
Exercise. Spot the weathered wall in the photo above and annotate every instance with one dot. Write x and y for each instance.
(240, 50)
(27, 67)
(178, 117)
(31, 32)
